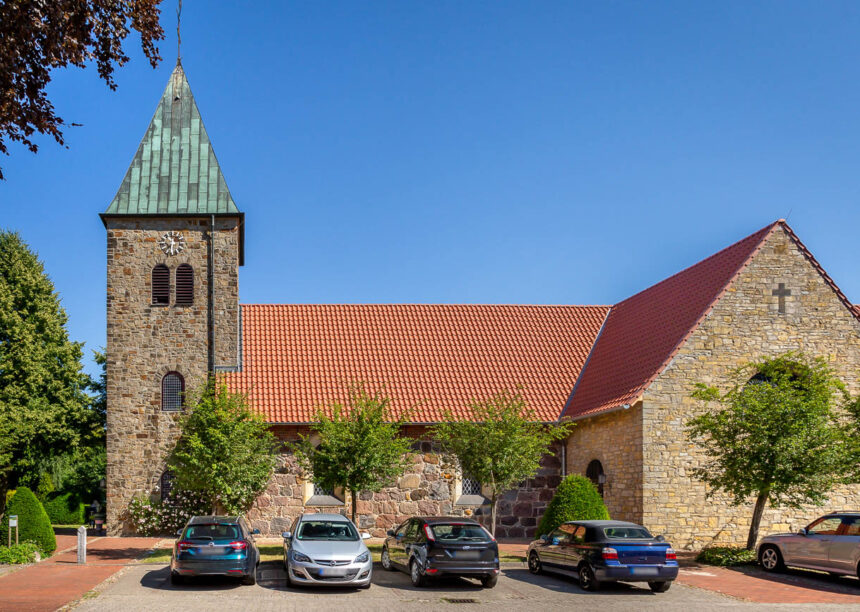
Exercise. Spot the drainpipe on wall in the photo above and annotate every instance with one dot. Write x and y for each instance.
(211, 306)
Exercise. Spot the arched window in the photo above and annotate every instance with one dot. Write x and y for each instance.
(594, 472)
(172, 389)
(166, 485)
(161, 285)
(184, 285)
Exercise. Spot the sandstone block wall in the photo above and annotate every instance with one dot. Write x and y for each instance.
(743, 326)
(144, 342)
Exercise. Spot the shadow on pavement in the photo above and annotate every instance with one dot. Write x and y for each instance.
(107, 555)
(160, 579)
(805, 579)
(563, 583)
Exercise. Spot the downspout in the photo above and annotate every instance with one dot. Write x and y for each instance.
(210, 368)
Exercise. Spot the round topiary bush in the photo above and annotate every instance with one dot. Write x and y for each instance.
(576, 499)
(33, 521)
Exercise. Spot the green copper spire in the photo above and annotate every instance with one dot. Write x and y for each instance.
(174, 170)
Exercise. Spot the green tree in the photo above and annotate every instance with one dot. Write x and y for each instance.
(360, 447)
(576, 499)
(774, 436)
(501, 444)
(225, 452)
(38, 37)
(44, 410)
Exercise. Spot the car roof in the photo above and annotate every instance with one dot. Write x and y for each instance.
(212, 518)
(604, 524)
(446, 519)
(319, 516)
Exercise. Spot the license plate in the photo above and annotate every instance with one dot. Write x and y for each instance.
(467, 555)
(332, 571)
(644, 571)
(211, 550)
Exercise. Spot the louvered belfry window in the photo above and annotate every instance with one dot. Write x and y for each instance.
(184, 285)
(161, 285)
(172, 388)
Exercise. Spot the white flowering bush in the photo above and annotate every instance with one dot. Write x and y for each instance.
(161, 517)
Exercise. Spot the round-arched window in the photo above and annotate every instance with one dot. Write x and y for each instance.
(594, 472)
(172, 390)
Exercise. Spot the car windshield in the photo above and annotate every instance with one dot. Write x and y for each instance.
(327, 530)
(459, 532)
(627, 533)
(212, 531)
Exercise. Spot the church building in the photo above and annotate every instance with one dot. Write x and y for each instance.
(623, 373)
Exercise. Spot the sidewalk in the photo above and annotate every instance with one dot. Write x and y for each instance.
(59, 580)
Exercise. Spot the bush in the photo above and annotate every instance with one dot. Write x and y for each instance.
(25, 552)
(66, 509)
(33, 521)
(152, 518)
(726, 556)
(9, 495)
(576, 499)
(45, 488)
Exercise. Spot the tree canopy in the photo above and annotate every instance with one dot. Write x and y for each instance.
(44, 410)
(501, 444)
(360, 447)
(225, 452)
(37, 37)
(774, 436)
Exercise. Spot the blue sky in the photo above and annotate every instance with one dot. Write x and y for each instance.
(474, 152)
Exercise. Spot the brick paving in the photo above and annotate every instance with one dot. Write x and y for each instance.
(59, 580)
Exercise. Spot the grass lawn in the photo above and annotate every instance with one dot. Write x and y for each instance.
(276, 553)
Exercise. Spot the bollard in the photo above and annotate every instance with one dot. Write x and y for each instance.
(82, 544)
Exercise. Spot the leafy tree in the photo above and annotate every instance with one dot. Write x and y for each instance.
(773, 436)
(33, 522)
(852, 436)
(576, 499)
(360, 447)
(226, 452)
(501, 444)
(37, 37)
(43, 408)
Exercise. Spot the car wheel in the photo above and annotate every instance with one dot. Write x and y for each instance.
(587, 580)
(771, 559)
(659, 587)
(250, 579)
(176, 578)
(534, 563)
(416, 574)
(488, 582)
(386, 560)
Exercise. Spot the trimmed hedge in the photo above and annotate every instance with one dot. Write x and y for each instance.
(66, 509)
(576, 499)
(726, 556)
(33, 521)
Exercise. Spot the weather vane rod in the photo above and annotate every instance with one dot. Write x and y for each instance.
(178, 34)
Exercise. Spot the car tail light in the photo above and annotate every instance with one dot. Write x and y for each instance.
(239, 545)
(429, 533)
(670, 555)
(184, 545)
(610, 554)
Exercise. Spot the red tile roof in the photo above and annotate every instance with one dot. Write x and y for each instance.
(297, 358)
(643, 333)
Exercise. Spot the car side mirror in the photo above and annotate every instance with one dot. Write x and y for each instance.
(178, 533)
(802, 531)
(286, 535)
(365, 536)
(390, 533)
(255, 532)
(543, 537)
(660, 538)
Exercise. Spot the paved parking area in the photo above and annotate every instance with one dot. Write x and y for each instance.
(147, 587)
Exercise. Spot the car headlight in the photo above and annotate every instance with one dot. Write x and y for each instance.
(362, 558)
(300, 557)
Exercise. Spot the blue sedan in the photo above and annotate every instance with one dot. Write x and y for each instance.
(605, 551)
(215, 545)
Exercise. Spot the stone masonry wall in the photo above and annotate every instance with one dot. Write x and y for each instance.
(144, 342)
(427, 488)
(614, 439)
(744, 325)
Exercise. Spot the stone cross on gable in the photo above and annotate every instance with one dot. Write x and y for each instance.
(781, 293)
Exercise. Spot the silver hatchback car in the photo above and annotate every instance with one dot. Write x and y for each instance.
(830, 544)
(326, 550)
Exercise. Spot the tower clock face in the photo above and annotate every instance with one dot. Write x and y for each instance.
(172, 243)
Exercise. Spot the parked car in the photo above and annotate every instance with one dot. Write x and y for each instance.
(326, 550)
(428, 547)
(605, 551)
(215, 545)
(830, 543)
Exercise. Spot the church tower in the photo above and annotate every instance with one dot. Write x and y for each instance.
(175, 241)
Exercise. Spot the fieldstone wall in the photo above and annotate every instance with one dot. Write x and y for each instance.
(744, 325)
(614, 439)
(144, 342)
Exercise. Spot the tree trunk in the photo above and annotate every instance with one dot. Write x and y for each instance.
(354, 495)
(760, 503)
(493, 514)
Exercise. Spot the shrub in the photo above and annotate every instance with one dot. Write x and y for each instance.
(726, 556)
(25, 552)
(152, 518)
(45, 488)
(9, 495)
(576, 499)
(33, 521)
(66, 509)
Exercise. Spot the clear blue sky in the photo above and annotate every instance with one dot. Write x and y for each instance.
(475, 152)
